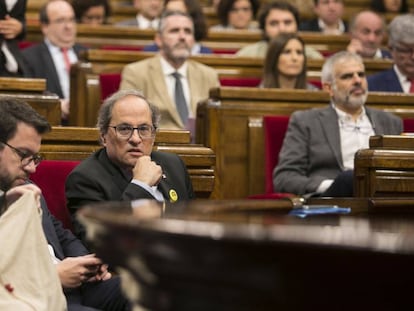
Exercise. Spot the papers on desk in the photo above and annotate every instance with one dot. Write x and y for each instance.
(307, 210)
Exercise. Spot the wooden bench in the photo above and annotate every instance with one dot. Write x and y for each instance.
(230, 123)
(102, 36)
(33, 92)
(85, 75)
(76, 143)
(386, 169)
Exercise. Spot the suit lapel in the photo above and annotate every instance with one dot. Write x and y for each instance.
(118, 177)
(329, 123)
(50, 70)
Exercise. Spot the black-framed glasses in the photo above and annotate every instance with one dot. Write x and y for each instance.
(125, 131)
(26, 157)
(404, 50)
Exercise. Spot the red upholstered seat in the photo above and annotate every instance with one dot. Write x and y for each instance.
(274, 128)
(240, 82)
(408, 125)
(109, 83)
(51, 176)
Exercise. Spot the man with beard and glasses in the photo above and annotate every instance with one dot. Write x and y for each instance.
(86, 282)
(317, 156)
(170, 79)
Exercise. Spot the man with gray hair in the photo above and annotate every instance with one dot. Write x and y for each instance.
(317, 156)
(400, 78)
(126, 168)
(170, 79)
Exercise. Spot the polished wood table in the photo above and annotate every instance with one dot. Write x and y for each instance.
(252, 255)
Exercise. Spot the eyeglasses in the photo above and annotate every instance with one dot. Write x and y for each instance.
(125, 131)
(26, 157)
(404, 51)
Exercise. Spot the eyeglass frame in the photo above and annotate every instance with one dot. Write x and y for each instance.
(404, 51)
(115, 127)
(35, 158)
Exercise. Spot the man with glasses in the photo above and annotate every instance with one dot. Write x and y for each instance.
(400, 78)
(126, 168)
(52, 58)
(86, 282)
(317, 156)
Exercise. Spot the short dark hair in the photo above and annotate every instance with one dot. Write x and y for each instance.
(81, 6)
(378, 6)
(224, 7)
(276, 5)
(105, 112)
(14, 111)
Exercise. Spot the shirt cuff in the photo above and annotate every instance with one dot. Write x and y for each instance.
(324, 185)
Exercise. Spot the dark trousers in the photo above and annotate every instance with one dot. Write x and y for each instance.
(105, 296)
(343, 185)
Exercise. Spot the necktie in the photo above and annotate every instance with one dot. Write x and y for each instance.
(180, 99)
(66, 59)
(412, 85)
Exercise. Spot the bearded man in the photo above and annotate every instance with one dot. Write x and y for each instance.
(317, 156)
(170, 80)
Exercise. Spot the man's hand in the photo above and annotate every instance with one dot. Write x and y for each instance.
(64, 107)
(147, 171)
(73, 271)
(355, 46)
(10, 27)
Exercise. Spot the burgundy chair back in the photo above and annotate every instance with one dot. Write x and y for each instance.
(109, 83)
(51, 176)
(274, 132)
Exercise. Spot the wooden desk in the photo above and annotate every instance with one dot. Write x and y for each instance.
(224, 123)
(77, 143)
(85, 85)
(386, 169)
(224, 256)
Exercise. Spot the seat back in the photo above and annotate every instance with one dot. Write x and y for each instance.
(51, 176)
(408, 125)
(274, 128)
(109, 83)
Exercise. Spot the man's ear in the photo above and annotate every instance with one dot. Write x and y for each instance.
(327, 87)
(157, 40)
(103, 140)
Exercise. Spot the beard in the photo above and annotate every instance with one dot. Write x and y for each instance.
(348, 100)
(178, 53)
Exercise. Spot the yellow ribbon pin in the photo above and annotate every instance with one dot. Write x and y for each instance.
(173, 196)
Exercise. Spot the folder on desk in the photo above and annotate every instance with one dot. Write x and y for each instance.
(308, 210)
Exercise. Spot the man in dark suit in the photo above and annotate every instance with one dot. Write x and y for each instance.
(52, 58)
(127, 168)
(367, 31)
(329, 18)
(317, 156)
(86, 282)
(400, 78)
(12, 31)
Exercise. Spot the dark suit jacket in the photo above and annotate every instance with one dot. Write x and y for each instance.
(313, 25)
(18, 12)
(384, 81)
(98, 179)
(64, 243)
(40, 65)
(311, 150)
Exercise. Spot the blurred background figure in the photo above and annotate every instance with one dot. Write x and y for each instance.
(274, 18)
(367, 30)
(329, 18)
(192, 8)
(285, 63)
(148, 14)
(237, 14)
(12, 30)
(389, 6)
(92, 12)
